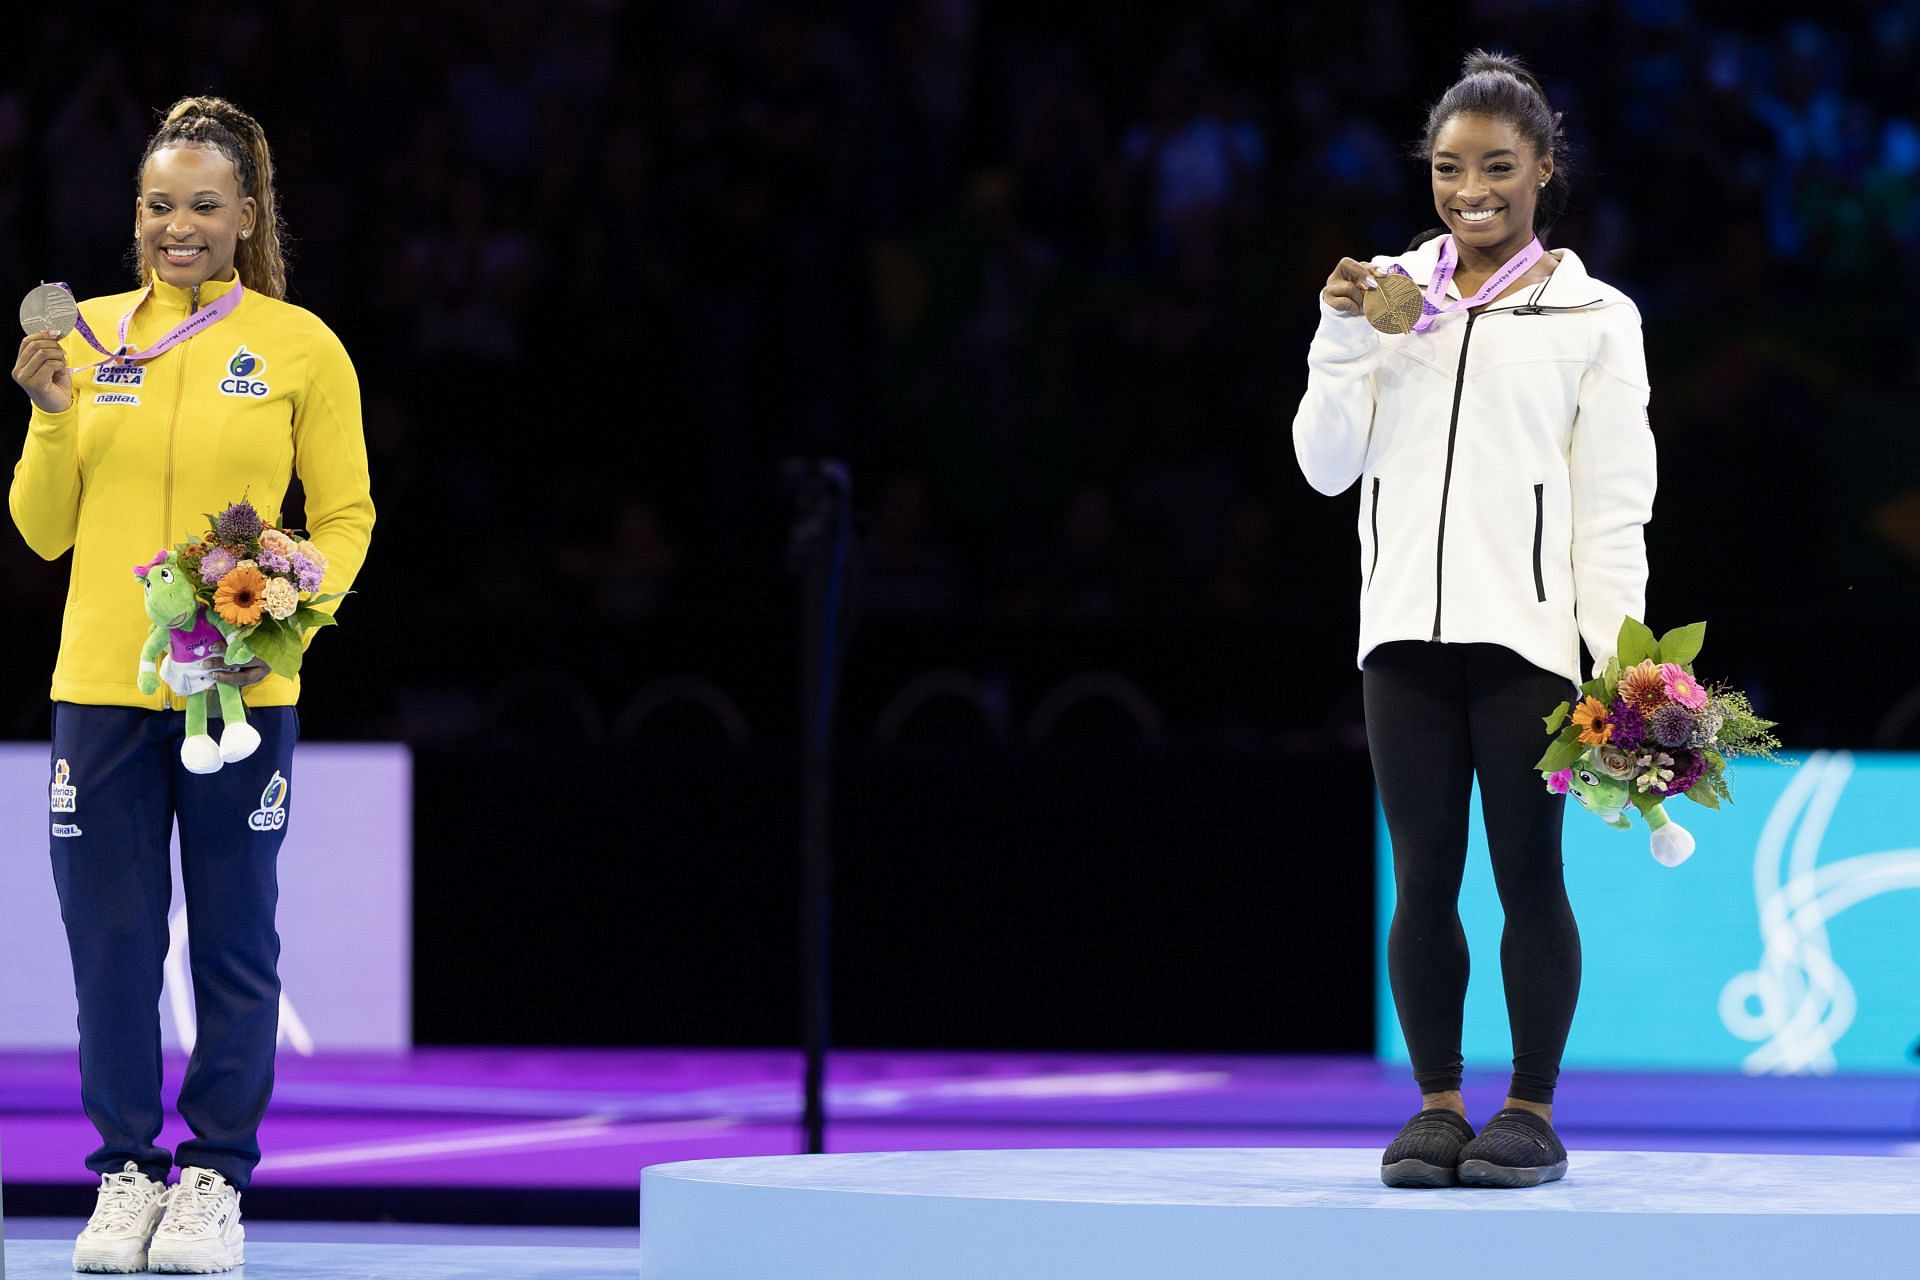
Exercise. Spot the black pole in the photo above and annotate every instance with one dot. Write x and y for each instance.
(819, 552)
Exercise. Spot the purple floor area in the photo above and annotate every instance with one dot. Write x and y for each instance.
(561, 1135)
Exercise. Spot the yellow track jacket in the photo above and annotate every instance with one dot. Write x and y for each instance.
(142, 455)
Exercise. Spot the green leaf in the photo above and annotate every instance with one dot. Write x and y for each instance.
(278, 646)
(1682, 644)
(306, 619)
(329, 598)
(1559, 717)
(1702, 792)
(1596, 688)
(1636, 643)
(1560, 755)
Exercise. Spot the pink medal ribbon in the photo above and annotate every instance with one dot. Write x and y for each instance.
(1433, 300)
(206, 317)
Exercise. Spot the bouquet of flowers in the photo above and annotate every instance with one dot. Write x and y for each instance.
(260, 579)
(1647, 730)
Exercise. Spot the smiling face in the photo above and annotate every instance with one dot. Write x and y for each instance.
(170, 597)
(191, 213)
(1486, 180)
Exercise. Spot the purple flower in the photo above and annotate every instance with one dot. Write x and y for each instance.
(274, 562)
(1687, 768)
(1671, 724)
(1560, 782)
(239, 523)
(1629, 725)
(215, 565)
(306, 573)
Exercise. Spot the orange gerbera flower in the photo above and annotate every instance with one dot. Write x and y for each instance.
(1596, 723)
(238, 596)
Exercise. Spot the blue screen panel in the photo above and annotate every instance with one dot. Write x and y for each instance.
(1788, 944)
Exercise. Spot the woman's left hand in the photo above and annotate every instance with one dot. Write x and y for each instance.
(250, 672)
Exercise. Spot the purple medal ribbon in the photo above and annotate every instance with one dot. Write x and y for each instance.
(1433, 303)
(206, 317)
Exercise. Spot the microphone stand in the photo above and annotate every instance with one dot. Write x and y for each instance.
(819, 553)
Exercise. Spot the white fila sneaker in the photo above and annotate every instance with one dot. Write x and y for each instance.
(201, 1230)
(123, 1220)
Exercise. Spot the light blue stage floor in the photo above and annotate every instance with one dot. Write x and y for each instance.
(1255, 1214)
(40, 1249)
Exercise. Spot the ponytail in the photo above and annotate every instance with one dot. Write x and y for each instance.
(214, 122)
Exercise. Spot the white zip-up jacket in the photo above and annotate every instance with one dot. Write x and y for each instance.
(1506, 465)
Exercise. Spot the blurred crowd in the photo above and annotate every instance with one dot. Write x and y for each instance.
(1044, 274)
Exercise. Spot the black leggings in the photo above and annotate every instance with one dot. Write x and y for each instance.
(1437, 714)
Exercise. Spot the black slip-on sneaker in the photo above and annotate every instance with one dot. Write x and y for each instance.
(1516, 1148)
(1426, 1151)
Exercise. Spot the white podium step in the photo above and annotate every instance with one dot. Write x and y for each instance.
(1226, 1214)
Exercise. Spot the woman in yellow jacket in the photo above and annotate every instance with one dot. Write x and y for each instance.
(229, 392)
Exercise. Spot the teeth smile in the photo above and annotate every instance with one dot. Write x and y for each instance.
(1476, 215)
(183, 253)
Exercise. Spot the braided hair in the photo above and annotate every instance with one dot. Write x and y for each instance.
(217, 123)
(1499, 85)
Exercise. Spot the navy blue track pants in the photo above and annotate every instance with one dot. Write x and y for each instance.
(118, 788)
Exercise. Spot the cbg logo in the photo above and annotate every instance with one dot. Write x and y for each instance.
(272, 813)
(243, 375)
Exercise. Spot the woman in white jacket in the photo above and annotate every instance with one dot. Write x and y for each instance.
(1506, 471)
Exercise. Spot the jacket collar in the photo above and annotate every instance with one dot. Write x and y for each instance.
(171, 297)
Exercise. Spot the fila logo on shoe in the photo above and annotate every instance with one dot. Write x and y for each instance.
(60, 793)
(272, 813)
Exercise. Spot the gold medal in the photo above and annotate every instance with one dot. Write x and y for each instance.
(1395, 306)
(49, 307)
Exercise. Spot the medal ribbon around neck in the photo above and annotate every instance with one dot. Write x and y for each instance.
(1433, 301)
(200, 321)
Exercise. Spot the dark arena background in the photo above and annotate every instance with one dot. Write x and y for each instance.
(1043, 277)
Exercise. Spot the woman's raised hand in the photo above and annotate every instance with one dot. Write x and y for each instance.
(42, 373)
(1348, 285)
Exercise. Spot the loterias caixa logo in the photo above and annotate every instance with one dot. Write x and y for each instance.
(244, 375)
(62, 793)
(272, 813)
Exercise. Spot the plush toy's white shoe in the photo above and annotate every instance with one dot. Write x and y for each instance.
(238, 741)
(1672, 845)
(201, 754)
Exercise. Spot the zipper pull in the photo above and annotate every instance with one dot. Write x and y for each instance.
(195, 305)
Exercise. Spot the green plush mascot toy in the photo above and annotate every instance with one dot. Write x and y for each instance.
(1606, 798)
(190, 634)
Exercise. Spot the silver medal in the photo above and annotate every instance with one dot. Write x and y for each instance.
(48, 307)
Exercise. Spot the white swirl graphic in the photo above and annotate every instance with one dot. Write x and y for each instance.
(1798, 1003)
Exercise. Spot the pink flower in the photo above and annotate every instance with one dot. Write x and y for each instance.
(1560, 783)
(276, 541)
(1683, 688)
